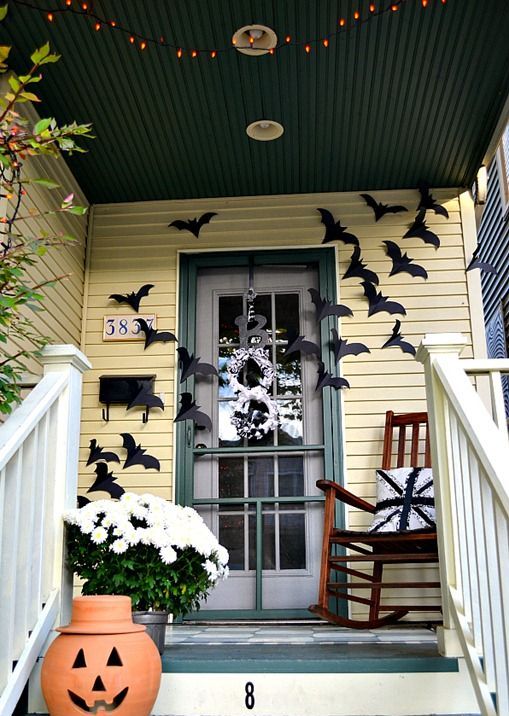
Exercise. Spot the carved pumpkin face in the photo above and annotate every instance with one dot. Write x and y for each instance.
(99, 690)
(100, 674)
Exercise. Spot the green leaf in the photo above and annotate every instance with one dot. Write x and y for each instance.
(14, 83)
(78, 210)
(50, 58)
(46, 183)
(42, 124)
(40, 54)
(30, 96)
(3, 12)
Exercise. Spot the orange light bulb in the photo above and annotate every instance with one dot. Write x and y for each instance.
(342, 22)
(288, 39)
(68, 3)
(84, 6)
(143, 45)
(50, 17)
(179, 53)
(251, 40)
(326, 43)
(394, 8)
(308, 48)
(194, 54)
(424, 3)
(97, 26)
(372, 7)
(271, 51)
(213, 54)
(356, 15)
(132, 40)
(113, 23)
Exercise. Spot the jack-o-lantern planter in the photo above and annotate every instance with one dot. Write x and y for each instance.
(101, 662)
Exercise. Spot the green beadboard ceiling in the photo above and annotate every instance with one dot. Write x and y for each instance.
(408, 96)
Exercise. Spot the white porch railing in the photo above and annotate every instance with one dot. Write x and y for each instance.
(38, 480)
(470, 456)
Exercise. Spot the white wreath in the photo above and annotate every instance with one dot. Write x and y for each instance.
(251, 423)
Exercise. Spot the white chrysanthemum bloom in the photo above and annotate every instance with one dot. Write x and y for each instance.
(222, 554)
(119, 546)
(225, 571)
(168, 554)
(99, 535)
(71, 517)
(211, 569)
(86, 526)
(107, 521)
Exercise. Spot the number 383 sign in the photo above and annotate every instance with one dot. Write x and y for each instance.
(126, 328)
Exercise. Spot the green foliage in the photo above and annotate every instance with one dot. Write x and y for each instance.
(19, 250)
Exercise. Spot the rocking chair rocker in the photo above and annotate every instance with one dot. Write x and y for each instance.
(376, 548)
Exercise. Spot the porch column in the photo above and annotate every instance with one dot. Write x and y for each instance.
(446, 346)
(68, 360)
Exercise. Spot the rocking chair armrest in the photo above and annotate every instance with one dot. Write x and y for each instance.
(344, 495)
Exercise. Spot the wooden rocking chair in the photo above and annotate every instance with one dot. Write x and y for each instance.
(379, 548)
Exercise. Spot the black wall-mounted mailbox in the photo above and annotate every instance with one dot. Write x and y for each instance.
(122, 389)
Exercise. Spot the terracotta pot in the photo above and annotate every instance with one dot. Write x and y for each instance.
(102, 662)
(155, 623)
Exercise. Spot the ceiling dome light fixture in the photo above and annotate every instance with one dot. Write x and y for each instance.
(264, 130)
(254, 40)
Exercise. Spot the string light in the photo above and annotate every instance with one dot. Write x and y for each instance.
(85, 7)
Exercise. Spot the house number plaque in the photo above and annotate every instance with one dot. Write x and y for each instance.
(125, 328)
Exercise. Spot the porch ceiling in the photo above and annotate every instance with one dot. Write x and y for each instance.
(408, 96)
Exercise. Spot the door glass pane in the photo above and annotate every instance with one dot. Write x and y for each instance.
(290, 422)
(228, 436)
(224, 388)
(289, 381)
(292, 541)
(263, 306)
(229, 308)
(231, 480)
(291, 476)
(269, 541)
(261, 476)
(231, 536)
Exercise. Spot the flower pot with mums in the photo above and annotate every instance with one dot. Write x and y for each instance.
(161, 555)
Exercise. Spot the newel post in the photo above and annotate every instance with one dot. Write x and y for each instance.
(443, 347)
(68, 360)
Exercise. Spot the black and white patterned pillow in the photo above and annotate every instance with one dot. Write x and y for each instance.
(405, 500)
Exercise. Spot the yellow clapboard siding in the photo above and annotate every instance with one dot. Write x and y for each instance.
(133, 245)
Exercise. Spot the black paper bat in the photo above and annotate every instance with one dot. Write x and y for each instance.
(341, 349)
(189, 411)
(146, 398)
(378, 302)
(154, 336)
(402, 262)
(420, 230)
(325, 379)
(133, 299)
(193, 225)
(82, 501)
(106, 482)
(428, 201)
(192, 366)
(97, 453)
(136, 454)
(477, 263)
(334, 231)
(397, 340)
(326, 308)
(382, 209)
(298, 344)
(358, 268)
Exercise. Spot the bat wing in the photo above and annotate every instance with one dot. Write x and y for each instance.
(416, 270)
(439, 209)
(317, 300)
(327, 218)
(407, 347)
(149, 462)
(102, 477)
(201, 419)
(153, 401)
(205, 218)
(115, 491)
(371, 202)
(162, 337)
(389, 307)
(119, 298)
(347, 238)
(180, 224)
(475, 263)
(352, 349)
(141, 293)
(370, 292)
(205, 369)
(393, 250)
(395, 209)
(82, 501)
(339, 310)
(325, 379)
(128, 443)
(93, 450)
(144, 327)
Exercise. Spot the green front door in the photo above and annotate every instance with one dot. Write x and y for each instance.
(257, 493)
